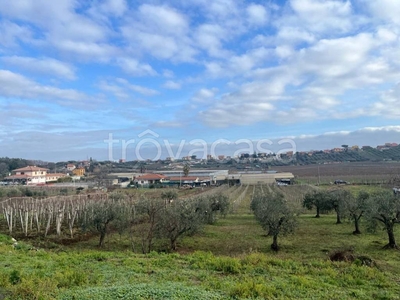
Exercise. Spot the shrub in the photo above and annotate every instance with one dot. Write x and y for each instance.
(15, 277)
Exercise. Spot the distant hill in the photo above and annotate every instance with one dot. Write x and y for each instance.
(366, 154)
(9, 164)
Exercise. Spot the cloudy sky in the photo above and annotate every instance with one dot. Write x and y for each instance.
(75, 75)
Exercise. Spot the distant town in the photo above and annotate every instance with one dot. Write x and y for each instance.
(187, 170)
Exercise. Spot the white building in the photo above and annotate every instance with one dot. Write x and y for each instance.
(30, 175)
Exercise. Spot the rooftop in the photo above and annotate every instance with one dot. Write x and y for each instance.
(29, 169)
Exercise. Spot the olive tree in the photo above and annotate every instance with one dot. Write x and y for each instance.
(209, 207)
(336, 200)
(177, 219)
(319, 200)
(384, 208)
(100, 215)
(274, 214)
(169, 196)
(149, 211)
(355, 208)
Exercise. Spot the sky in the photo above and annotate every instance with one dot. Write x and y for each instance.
(112, 79)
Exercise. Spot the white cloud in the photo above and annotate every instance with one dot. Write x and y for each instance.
(58, 19)
(167, 124)
(135, 68)
(222, 9)
(388, 105)
(11, 33)
(163, 19)
(168, 73)
(386, 10)
(161, 31)
(44, 65)
(116, 90)
(62, 27)
(122, 89)
(172, 85)
(210, 37)
(257, 14)
(137, 88)
(114, 7)
(86, 51)
(294, 35)
(323, 16)
(14, 85)
(204, 96)
(313, 83)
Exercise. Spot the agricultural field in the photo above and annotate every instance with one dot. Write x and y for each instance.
(228, 259)
(364, 173)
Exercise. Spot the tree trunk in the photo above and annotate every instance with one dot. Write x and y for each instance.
(274, 245)
(317, 216)
(338, 220)
(102, 237)
(357, 225)
(392, 242)
(173, 244)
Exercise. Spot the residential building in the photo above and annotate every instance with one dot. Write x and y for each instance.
(189, 180)
(148, 179)
(79, 172)
(53, 177)
(30, 175)
(71, 167)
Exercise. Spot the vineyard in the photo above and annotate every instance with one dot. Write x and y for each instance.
(226, 255)
(37, 216)
(143, 216)
(66, 215)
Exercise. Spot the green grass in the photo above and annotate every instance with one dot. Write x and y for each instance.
(229, 260)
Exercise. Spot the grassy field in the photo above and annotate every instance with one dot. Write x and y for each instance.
(229, 260)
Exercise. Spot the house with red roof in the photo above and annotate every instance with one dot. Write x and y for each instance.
(150, 178)
(30, 175)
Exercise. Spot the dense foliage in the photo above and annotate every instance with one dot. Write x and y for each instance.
(274, 214)
(384, 208)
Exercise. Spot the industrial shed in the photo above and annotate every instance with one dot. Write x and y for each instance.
(266, 178)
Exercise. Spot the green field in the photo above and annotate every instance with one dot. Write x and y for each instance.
(231, 259)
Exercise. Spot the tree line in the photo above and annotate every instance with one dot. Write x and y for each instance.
(380, 208)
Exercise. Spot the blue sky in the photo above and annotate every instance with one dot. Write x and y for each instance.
(322, 73)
